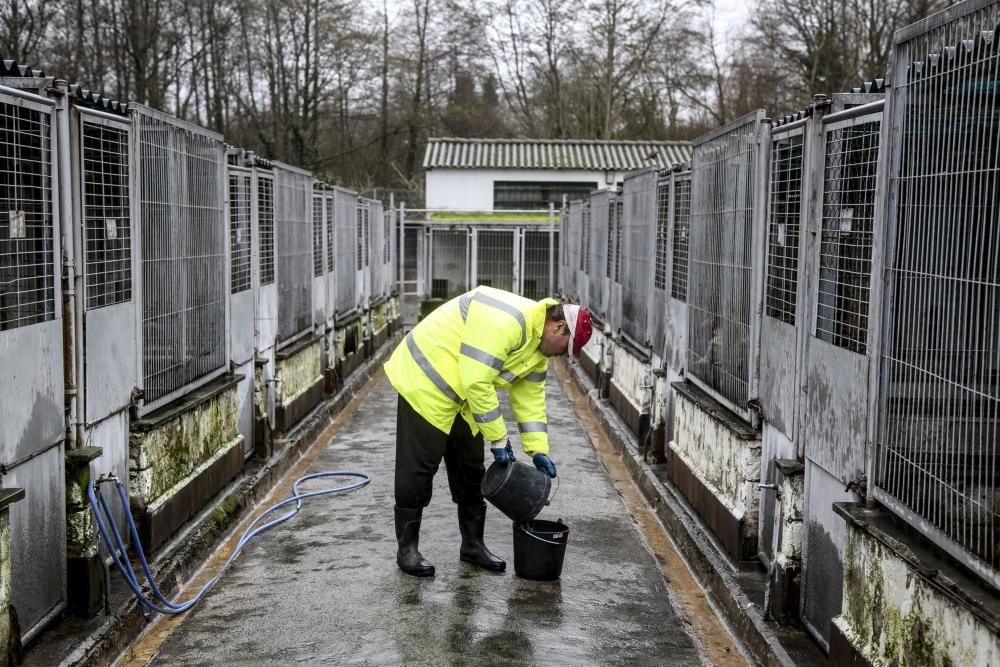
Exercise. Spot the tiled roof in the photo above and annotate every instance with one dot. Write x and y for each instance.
(553, 154)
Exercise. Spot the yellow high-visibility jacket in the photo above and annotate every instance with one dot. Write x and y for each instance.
(454, 360)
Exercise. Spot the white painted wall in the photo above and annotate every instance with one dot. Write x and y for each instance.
(472, 189)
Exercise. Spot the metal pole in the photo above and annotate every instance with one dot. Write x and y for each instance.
(552, 248)
(401, 248)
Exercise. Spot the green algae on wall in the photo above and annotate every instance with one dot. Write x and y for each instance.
(5, 591)
(162, 457)
(892, 616)
(300, 371)
(379, 318)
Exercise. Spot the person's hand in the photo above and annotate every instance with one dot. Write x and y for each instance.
(502, 454)
(544, 463)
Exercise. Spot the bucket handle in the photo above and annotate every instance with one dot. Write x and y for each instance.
(536, 537)
(553, 496)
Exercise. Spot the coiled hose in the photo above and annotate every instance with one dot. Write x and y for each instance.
(162, 605)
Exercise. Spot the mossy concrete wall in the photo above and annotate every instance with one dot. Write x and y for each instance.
(791, 504)
(380, 317)
(166, 455)
(81, 532)
(728, 465)
(300, 371)
(5, 590)
(892, 616)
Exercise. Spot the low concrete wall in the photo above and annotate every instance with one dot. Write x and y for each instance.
(181, 456)
(300, 371)
(722, 455)
(904, 606)
(630, 374)
(10, 642)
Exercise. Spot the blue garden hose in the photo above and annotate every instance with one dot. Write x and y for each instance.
(100, 507)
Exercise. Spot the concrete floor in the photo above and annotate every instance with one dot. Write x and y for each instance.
(324, 588)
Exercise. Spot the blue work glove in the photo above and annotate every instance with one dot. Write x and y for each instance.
(545, 464)
(502, 455)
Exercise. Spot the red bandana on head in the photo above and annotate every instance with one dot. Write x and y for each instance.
(580, 327)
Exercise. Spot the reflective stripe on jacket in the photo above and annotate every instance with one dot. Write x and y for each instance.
(454, 360)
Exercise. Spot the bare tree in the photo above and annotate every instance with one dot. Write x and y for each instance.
(23, 26)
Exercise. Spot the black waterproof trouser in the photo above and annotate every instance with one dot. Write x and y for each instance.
(419, 450)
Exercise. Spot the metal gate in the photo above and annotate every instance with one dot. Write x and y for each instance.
(184, 260)
(781, 325)
(723, 300)
(449, 262)
(348, 249)
(835, 366)
(31, 408)
(293, 246)
(535, 263)
(495, 258)
(599, 288)
(241, 307)
(676, 270)
(638, 226)
(935, 456)
(319, 227)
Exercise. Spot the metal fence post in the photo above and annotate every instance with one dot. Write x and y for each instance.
(552, 248)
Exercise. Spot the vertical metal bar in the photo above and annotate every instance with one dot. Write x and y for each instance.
(552, 248)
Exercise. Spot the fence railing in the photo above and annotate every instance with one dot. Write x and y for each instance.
(27, 262)
(183, 247)
(935, 455)
(448, 252)
(726, 201)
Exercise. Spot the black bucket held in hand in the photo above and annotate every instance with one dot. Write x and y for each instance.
(539, 549)
(520, 491)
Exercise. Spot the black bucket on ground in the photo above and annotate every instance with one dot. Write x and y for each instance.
(520, 491)
(539, 549)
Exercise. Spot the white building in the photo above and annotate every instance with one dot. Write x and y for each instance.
(506, 174)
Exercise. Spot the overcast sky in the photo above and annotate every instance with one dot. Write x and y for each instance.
(730, 17)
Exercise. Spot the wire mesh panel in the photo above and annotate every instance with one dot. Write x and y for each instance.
(449, 262)
(611, 268)
(638, 223)
(535, 266)
(293, 242)
(681, 213)
(376, 231)
(495, 259)
(720, 289)
(183, 248)
(584, 254)
(783, 226)
(936, 440)
(328, 208)
(346, 208)
(27, 274)
(662, 231)
(600, 203)
(317, 233)
(846, 243)
(104, 154)
(265, 227)
(239, 230)
(573, 221)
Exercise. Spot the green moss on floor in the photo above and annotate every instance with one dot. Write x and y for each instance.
(492, 216)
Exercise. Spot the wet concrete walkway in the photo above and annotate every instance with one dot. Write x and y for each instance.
(324, 588)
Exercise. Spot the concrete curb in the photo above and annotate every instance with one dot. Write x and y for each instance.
(695, 545)
(126, 622)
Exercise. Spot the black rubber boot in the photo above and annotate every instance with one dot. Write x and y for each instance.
(472, 521)
(408, 536)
